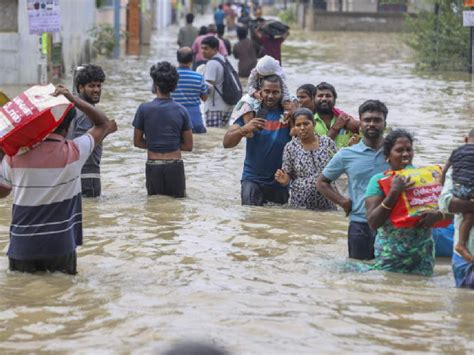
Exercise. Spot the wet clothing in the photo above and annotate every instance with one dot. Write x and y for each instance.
(246, 52)
(403, 250)
(460, 266)
(359, 162)
(196, 119)
(462, 160)
(47, 207)
(91, 187)
(165, 177)
(65, 263)
(264, 151)
(163, 122)
(304, 168)
(463, 272)
(219, 16)
(91, 170)
(187, 35)
(360, 241)
(191, 86)
(217, 111)
(215, 73)
(342, 138)
(253, 194)
(218, 118)
(196, 47)
(272, 46)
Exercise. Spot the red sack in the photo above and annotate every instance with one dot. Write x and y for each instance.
(421, 197)
(30, 117)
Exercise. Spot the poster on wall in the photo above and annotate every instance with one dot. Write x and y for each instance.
(43, 16)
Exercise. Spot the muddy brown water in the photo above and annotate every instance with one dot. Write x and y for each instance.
(154, 270)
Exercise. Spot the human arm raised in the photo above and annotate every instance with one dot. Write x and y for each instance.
(101, 123)
(235, 133)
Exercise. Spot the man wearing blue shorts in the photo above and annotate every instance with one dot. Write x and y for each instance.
(359, 162)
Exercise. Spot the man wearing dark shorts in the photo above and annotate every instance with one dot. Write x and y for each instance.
(266, 139)
(163, 127)
(46, 223)
(359, 162)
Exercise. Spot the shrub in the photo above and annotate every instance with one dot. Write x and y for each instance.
(439, 38)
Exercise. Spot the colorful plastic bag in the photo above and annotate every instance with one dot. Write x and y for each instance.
(421, 197)
(30, 117)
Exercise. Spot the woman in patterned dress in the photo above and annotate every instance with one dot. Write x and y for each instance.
(404, 250)
(304, 158)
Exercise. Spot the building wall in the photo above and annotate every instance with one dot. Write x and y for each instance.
(19, 51)
(163, 13)
(371, 5)
(360, 21)
(9, 16)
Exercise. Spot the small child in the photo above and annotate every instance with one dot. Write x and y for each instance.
(462, 162)
(266, 66)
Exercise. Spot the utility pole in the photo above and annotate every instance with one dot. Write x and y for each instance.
(117, 29)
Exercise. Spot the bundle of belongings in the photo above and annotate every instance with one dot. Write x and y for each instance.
(274, 29)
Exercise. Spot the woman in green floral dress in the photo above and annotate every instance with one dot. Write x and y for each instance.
(404, 250)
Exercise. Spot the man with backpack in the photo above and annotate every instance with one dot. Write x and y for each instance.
(225, 88)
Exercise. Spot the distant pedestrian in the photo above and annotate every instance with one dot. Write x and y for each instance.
(163, 128)
(219, 16)
(217, 111)
(230, 15)
(272, 44)
(220, 35)
(246, 51)
(197, 49)
(191, 89)
(188, 33)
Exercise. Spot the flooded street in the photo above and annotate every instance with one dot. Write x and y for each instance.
(154, 270)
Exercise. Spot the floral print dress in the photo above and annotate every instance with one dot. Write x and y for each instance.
(304, 167)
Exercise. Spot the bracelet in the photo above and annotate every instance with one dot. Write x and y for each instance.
(385, 206)
(241, 132)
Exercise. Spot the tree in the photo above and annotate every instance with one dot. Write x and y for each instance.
(439, 38)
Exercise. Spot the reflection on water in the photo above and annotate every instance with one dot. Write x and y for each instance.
(257, 280)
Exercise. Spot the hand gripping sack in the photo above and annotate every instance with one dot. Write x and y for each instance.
(30, 117)
(231, 87)
(421, 197)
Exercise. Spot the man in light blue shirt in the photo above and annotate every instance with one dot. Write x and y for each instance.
(450, 204)
(359, 162)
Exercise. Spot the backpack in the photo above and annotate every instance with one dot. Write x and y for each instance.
(231, 87)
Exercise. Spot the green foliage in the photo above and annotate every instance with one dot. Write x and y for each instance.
(103, 36)
(439, 38)
(288, 16)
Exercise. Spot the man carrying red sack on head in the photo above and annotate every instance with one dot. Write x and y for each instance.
(46, 222)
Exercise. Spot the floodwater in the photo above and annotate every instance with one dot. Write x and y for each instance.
(154, 270)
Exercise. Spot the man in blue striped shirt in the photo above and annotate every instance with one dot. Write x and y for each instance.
(191, 89)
